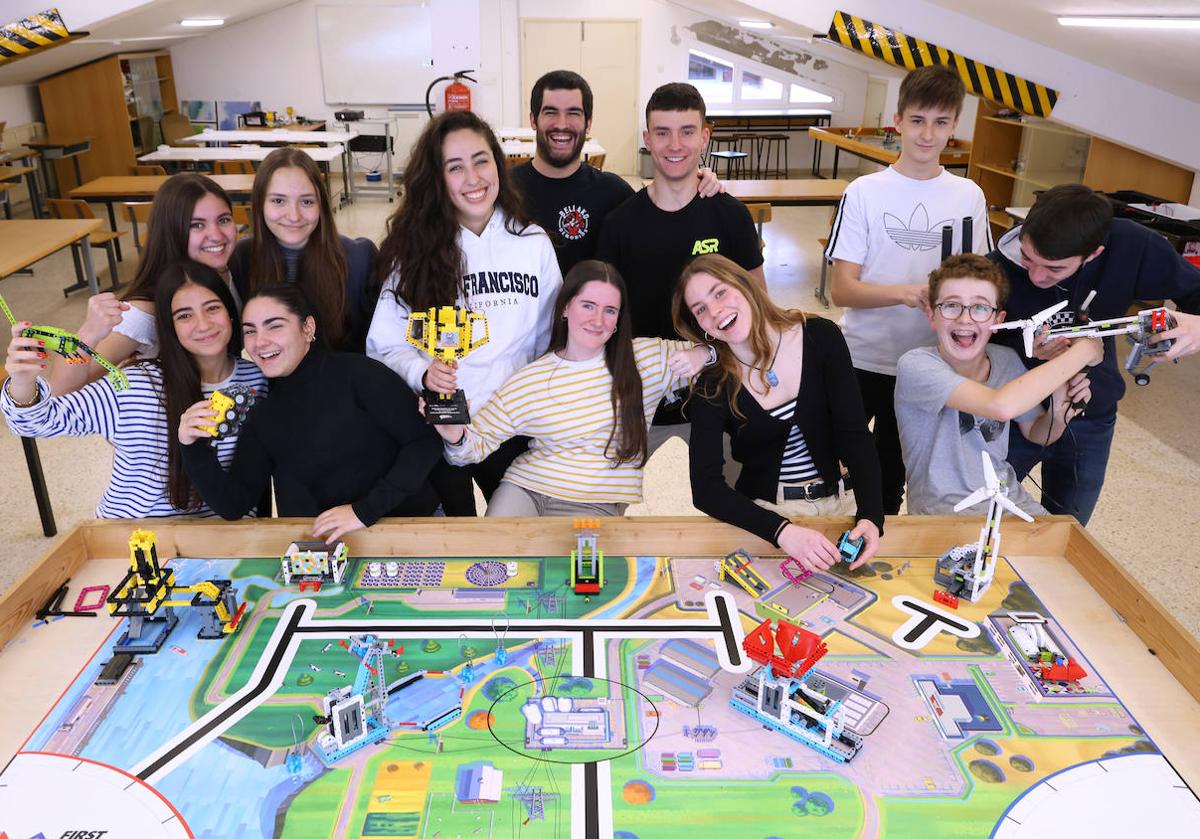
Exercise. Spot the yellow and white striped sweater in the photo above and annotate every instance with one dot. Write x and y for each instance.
(566, 407)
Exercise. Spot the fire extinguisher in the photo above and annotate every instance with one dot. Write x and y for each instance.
(457, 96)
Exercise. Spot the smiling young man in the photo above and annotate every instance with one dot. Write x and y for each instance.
(653, 235)
(887, 237)
(1068, 247)
(957, 398)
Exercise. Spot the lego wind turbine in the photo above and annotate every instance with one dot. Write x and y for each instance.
(987, 551)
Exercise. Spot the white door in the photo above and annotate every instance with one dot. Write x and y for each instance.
(873, 116)
(603, 52)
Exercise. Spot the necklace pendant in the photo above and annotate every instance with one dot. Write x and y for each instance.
(772, 379)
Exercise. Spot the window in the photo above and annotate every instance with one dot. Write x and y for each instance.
(711, 76)
(758, 87)
(806, 95)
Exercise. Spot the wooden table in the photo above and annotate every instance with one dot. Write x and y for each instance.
(794, 192)
(1142, 653)
(207, 154)
(769, 119)
(54, 148)
(528, 148)
(8, 171)
(869, 147)
(33, 462)
(111, 189)
(26, 241)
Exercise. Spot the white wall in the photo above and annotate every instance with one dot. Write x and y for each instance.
(1091, 98)
(19, 104)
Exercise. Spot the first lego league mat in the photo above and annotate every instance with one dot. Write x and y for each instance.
(503, 697)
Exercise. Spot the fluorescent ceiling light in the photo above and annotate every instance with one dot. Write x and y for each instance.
(1133, 22)
(756, 24)
(202, 21)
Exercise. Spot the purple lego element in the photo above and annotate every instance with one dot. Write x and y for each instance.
(86, 603)
(794, 571)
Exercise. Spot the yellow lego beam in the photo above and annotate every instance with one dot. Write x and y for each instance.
(902, 50)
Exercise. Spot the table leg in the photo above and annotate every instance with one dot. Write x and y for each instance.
(112, 225)
(89, 271)
(836, 153)
(816, 166)
(40, 493)
(822, 290)
(347, 162)
(49, 177)
(78, 173)
(35, 198)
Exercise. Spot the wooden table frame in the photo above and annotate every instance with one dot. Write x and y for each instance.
(1067, 568)
(956, 158)
(111, 189)
(38, 236)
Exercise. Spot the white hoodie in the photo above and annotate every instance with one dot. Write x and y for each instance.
(511, 279)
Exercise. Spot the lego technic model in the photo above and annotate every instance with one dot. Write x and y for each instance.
(966, 570)
(230, 408)
(68, 345)
(312, 564)
(1139, 328)
(738, 568)
(448, 333)
(781, 696)
(587, 560)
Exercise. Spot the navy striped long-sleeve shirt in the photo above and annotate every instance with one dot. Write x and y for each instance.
(134, 421)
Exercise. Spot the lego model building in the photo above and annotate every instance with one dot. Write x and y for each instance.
(1046, 661)
(587, 560)
(778, 694)
(355, 715)
(231, 407)
(451, 334)
(68, 345)
(967, 570)
(737, 567)
(312, 564)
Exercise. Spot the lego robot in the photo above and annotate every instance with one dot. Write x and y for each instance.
(68, 345)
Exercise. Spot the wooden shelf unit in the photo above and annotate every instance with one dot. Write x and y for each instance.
(1049, 154)
(90, 101)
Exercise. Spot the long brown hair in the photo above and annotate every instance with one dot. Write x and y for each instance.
(629, 414)
(323, 266)
(169, 228)
(727, 376)
(180, 373)
(422, 235)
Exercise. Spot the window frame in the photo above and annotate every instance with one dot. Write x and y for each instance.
(741, 66)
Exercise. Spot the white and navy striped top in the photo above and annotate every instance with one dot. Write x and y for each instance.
(796, 466)
(135, 422)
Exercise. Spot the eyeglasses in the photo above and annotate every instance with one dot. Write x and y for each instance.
(980, 312)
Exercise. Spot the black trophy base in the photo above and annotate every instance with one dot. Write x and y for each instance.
(441, 409)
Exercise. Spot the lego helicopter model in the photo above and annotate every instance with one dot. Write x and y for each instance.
(1139, 328)
(68, 345)
(967, 570)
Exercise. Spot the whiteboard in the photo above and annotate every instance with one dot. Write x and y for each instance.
(375, 55)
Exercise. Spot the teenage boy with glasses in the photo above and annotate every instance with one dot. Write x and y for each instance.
(956, 399)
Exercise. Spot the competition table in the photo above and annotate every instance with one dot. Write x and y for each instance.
(870, 147)
(113, 189)
(1145, 656)
(26, 241)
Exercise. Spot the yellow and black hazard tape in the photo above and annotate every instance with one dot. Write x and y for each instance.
(27, 35)
(906, 51)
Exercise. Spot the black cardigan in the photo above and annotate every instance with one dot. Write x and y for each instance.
(829, 411)
(341, 429)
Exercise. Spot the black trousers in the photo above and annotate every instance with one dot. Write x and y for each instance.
(453, 483)
(879, 400)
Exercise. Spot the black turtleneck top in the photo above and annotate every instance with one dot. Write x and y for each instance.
(341, 429)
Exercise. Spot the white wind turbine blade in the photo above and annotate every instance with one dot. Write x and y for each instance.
(1009, 505)
(971, 500)
(990, 481)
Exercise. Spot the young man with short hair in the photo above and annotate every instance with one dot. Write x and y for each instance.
(956, 399)
(887, 236)
(653, 235)
(569, 200)
(1068, 247)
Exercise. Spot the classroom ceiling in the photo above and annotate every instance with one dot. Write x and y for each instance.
(1166, 59)
(152, 25)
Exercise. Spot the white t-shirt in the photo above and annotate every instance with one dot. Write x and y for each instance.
(139, 326)
(891, 225)
(511, 279)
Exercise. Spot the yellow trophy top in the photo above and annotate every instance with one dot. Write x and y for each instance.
(447, 332)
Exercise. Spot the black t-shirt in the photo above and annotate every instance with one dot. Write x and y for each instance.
(650, 247)
(571, 210)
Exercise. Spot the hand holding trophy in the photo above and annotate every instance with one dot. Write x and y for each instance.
(447, 333)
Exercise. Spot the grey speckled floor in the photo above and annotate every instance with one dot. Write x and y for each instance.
(1147, 517)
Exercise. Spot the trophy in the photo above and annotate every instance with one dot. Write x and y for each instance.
(448, 333)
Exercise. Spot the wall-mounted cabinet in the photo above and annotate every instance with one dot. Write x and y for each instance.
(1013, 159)
(117, 103)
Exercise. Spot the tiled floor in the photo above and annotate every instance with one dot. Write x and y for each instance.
(1147, 516)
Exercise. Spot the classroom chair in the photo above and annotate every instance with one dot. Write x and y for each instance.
(174, 128)
(517, 159)
(147, 169)
(76, 208)
(597, 161)
(5, 188)
(241, 220)
(233, 167)
(136, 213)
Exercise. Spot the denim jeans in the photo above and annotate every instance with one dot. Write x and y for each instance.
(1072, 468)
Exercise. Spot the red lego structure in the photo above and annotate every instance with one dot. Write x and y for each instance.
(799, 649)
(945, 598)
(1060, 671)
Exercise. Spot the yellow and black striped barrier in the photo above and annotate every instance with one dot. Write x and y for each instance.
(906, 51)
(31, 34)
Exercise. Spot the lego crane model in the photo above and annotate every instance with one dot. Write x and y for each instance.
(967, 570)
(1139, 328)
(68, 345)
